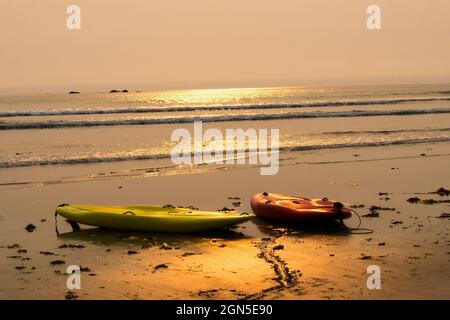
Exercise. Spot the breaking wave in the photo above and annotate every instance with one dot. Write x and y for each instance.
(89, 159)
(215, 118)
(153, 109)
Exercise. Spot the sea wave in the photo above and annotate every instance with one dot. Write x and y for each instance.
(51, 124)
(367, 144)
(152, 156)
(384, 132)
(154, 109)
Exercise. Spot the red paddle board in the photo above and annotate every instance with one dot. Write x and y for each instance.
(289, 208)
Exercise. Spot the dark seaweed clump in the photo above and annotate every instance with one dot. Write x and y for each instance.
(413, 200)
(426, 201)
(372, 215)
(442, 192)
(376, 208)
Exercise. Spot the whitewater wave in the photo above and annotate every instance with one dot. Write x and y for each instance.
(367, 144)
(152, 156)
(384, 132)
(153, 109)
(215, 118)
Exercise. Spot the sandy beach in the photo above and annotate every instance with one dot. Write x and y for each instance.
(255, 260)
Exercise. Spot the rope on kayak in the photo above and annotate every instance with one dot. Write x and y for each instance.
(357, 228)
(339, 206)
(73, 224)
(56, 223)
(56, 217)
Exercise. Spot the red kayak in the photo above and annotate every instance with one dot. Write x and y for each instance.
(288, 208)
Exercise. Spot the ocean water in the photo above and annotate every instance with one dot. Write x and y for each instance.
(63, 129)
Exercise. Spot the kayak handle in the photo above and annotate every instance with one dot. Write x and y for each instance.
(338, 205)
(64, 205)
(129, 212)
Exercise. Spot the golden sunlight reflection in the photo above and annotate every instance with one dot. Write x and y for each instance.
(220, 96)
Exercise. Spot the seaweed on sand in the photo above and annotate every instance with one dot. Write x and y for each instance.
(413, 200)
(375, 208)
(442, 192)
(433, 201)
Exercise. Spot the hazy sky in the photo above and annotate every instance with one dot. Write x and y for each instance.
(143, 44)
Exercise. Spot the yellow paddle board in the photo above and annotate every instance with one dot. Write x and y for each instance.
(151, 218)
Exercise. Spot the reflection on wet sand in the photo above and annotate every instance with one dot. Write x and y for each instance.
(108, 237)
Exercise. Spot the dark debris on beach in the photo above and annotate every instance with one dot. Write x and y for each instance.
(70, 295)
(415, 200)
(57, 262)
(376, 208)
(160, 266)
(165, 246)
(47, 253)
(187, 254)
(371, 215)
(13, 246)
(442, 192)
(30, 227)
(225, 209)
(374, 211)
(72, 246)
(85, 269)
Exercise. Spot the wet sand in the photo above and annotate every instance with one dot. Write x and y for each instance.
(256, 260)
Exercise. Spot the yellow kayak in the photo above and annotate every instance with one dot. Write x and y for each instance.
(151, 218)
